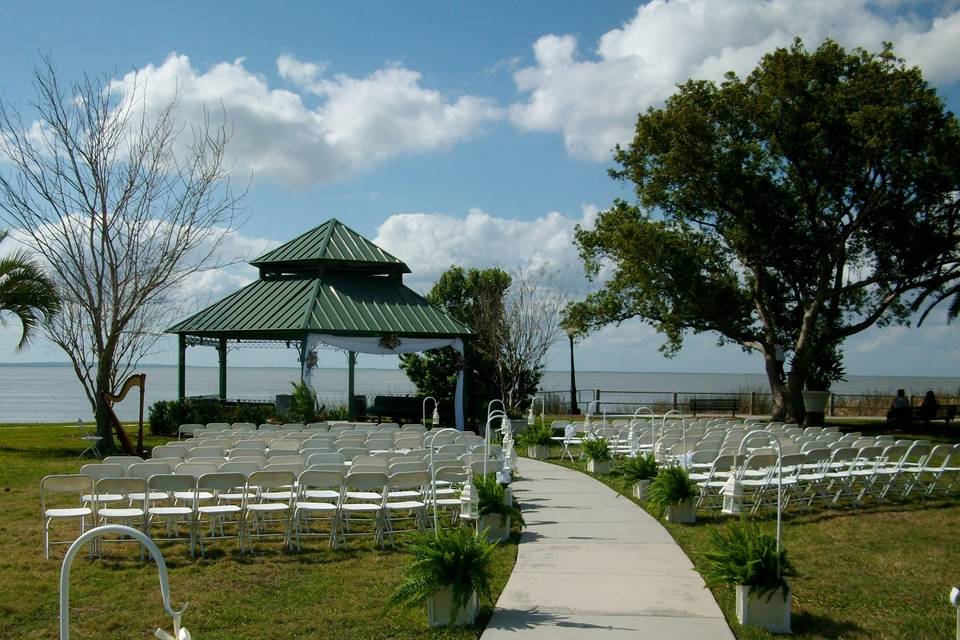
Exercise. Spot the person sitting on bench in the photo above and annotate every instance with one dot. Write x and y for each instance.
(900, 412)
(929, 407)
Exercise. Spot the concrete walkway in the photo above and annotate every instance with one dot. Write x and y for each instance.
(593, 565)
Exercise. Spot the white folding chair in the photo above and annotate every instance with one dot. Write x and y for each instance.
(167, 510)
(219, 516)
(361, 503)
(318, 500)
(75, 485)
(269, 501)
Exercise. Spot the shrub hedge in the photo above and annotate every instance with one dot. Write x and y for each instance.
(166, 416)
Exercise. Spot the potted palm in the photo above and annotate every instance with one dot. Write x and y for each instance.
(598, 455)
(498, 510)
(749, 559)
(672, 493)
(637, 473)
(449, 570)
(822, 365)
(537, 440)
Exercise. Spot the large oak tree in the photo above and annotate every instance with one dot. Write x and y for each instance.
(796, 207)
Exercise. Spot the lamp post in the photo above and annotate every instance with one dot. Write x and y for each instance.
(574, 409)
(733, 492)
(435, 418)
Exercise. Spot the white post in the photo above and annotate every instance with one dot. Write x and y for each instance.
(123, 530)
(776, 441)
(423, 407)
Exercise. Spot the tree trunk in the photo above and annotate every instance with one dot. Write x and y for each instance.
(102, 411)
(787, 399)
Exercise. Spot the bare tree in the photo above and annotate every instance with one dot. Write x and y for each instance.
(123, 204)
(528, 328)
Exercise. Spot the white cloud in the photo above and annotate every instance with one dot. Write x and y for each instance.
(358, 122)
(594, 102)
(431, 242)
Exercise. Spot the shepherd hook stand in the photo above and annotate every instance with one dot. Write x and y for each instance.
(179, 633)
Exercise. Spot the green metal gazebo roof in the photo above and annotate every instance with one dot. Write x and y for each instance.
(335, 304)
(332, 244)
(329, 280)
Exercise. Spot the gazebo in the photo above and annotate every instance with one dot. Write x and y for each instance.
(329, 286)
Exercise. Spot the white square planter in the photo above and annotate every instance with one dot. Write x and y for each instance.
(685, 513)
(773, 614)
(538, 451)
(640, 489)
(440, 605)
(601, 468)
(495, 531)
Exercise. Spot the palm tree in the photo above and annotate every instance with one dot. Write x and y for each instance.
(950, 288)
(26, 292)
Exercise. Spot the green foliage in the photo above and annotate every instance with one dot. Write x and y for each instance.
(26, 292)
(537, 435)
(492, 497)
(457, 558)
(817, 188)
(743, 555)
(597, 449)
(821, 365)
(303, 404)
(475, 297)
(671, 488)
(166, 416)
(640, 467)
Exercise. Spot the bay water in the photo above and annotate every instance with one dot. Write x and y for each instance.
(51, 392)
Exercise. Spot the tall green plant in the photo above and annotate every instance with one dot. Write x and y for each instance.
(457, 558)
(303, 404)
(26, 292)
(743, 555)
(671, 488)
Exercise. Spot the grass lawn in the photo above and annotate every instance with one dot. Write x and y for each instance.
(882, 572)
(275, 594)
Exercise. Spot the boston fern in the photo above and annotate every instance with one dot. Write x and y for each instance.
(597, 449)
(671, 488)
(743, 555)
(537, 435)
(640, 467)
(457, 558)
(492, 495)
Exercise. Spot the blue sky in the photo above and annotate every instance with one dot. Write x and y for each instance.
(460, 132)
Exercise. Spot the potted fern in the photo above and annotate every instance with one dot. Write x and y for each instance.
(672, 493)
(537, 440)
(449, 570)
(598, 455)
(747, 558)
(498, 509)
(637, 473)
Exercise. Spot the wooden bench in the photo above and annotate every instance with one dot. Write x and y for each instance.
(945, 412)
(715, 405)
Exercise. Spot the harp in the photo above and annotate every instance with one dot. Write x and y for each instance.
(137, 380)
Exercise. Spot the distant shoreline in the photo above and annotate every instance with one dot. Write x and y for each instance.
(40, 365)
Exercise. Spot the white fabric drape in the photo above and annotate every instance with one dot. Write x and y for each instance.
(405, 345)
